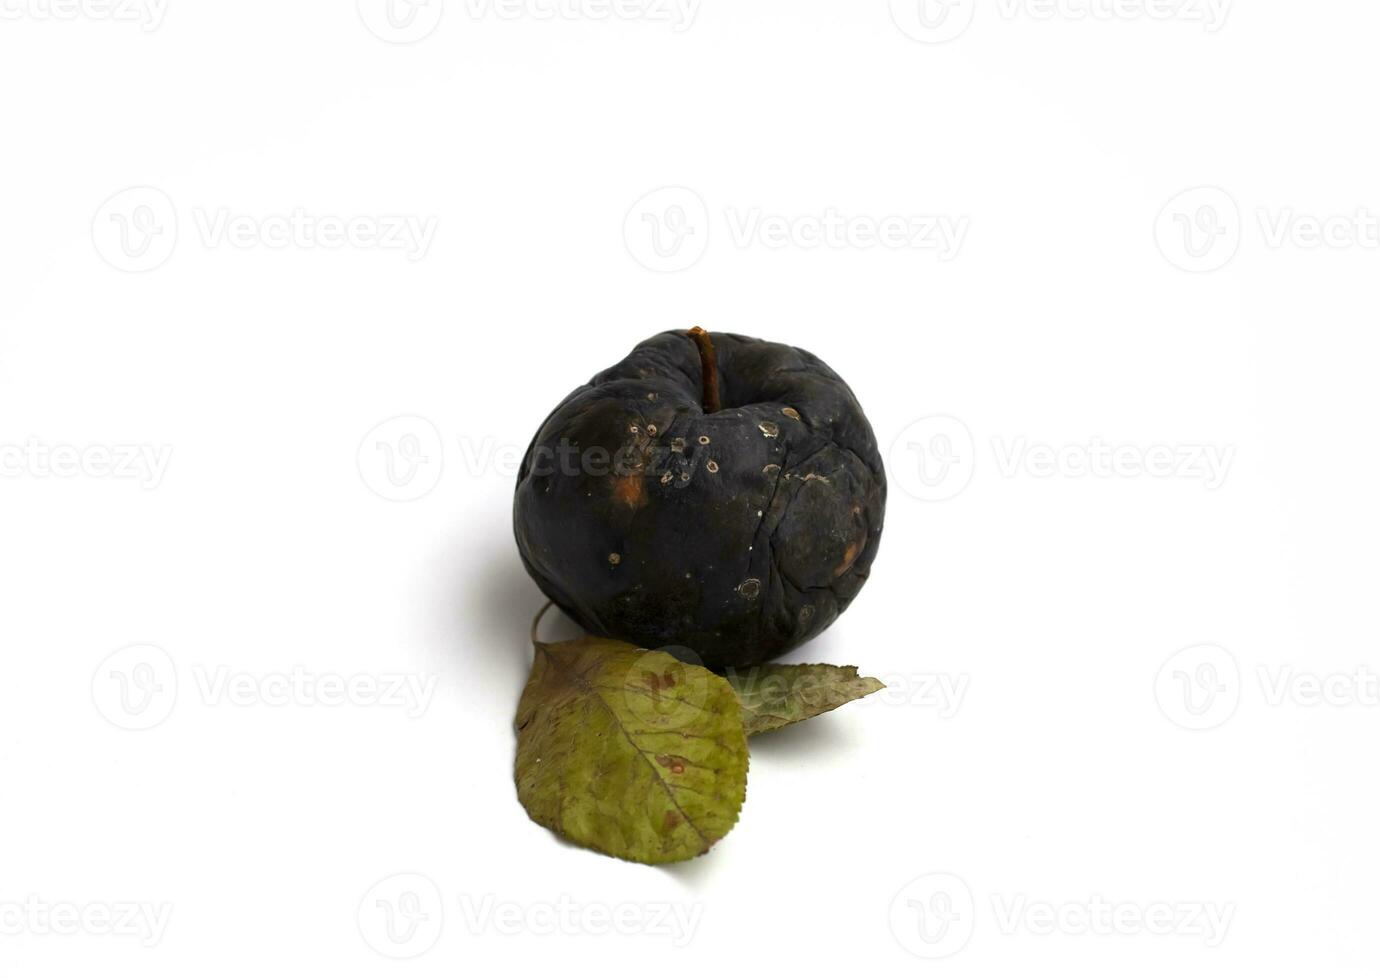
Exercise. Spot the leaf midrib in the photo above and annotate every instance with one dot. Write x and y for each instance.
(585, 686)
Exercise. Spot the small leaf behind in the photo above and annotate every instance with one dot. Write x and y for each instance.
(629, 751)
(776, 695)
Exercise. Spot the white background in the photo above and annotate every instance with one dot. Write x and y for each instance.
(1092, 311)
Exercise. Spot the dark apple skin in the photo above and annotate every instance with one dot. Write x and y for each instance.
(738, 534)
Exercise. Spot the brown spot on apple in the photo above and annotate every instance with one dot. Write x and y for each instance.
(629, 491)
(850, 555)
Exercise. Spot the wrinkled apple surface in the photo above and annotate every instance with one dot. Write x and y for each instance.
(739, 534)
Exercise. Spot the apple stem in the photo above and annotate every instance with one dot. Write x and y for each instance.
(537, 621)
(709, 368)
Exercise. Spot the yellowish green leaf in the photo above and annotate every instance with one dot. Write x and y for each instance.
(629, 751)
